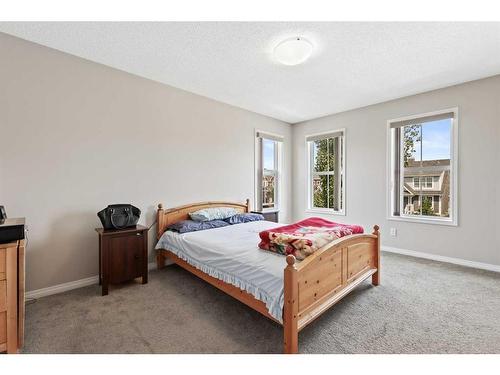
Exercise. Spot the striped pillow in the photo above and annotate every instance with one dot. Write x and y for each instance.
(213, 213)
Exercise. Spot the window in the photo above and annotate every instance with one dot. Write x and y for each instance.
(425, 182)
(268, 171)
(326, 172)
(422, 164)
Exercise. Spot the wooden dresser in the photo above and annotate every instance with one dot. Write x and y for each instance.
(11, 296)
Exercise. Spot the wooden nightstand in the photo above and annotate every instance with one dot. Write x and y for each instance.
(123, 255)
(268, 215)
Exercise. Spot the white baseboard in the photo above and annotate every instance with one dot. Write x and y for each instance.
(38, 293)
(55, 289)
(440, 258)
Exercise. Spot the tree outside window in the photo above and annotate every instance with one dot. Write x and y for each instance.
(326, 172)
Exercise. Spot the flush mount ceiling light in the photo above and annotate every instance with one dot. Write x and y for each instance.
(293, 51)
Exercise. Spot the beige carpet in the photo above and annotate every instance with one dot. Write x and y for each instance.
(421, 307)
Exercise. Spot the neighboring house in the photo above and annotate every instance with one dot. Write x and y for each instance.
(427, 182)
(268, 187)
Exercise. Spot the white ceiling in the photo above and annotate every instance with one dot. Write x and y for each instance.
(353, 65)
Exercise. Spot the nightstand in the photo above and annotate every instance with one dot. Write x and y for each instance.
(123, 255)
(269, 215)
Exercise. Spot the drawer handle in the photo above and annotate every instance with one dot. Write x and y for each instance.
(138, 234)
(136, 256)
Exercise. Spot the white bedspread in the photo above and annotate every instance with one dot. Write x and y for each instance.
(232, 255)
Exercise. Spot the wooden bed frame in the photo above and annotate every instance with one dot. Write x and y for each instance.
(310, 286)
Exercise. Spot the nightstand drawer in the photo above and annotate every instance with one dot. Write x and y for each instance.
(3, 267)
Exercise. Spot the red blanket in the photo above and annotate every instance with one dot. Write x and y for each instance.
(304, 237)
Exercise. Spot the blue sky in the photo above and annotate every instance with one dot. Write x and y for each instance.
(436, 140)
(268, 146)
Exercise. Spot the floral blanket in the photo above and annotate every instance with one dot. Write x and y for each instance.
(304, 237)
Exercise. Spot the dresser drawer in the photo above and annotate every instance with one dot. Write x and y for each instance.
(11, 256)
(2, 264)
(3, 327)
(3, 295)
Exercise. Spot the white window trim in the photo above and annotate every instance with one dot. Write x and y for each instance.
(325, 211)
(258, 170)
(453, 221)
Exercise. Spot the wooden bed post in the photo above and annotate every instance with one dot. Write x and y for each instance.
(376, 275)
(248, 205)
(291, 307)
(160, 258)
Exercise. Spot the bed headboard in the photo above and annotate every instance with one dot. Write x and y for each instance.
(166, 217)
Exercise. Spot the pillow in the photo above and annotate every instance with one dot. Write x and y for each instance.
(186, 226)
(213, 213)
(243, 218)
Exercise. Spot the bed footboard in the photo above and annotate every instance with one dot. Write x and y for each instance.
(322, 279)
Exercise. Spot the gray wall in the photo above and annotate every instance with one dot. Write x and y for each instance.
(477, 236)
(76, 136)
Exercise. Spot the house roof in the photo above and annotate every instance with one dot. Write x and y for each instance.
(428, 163)
(426, 167)
(409, 189)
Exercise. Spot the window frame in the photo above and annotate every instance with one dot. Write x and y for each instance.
(309, 159)
(453, 220)
(427, 178)
(260, 171)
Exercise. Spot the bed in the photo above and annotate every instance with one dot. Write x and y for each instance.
(289, 292)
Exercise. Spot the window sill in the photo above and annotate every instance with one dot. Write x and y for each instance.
(325, 212)
(450, 223)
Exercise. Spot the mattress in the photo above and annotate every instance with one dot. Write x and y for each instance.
(231, 254)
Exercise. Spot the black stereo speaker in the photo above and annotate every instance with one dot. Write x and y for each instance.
(11, 230)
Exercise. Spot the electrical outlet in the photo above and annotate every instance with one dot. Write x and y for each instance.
(394, 232)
